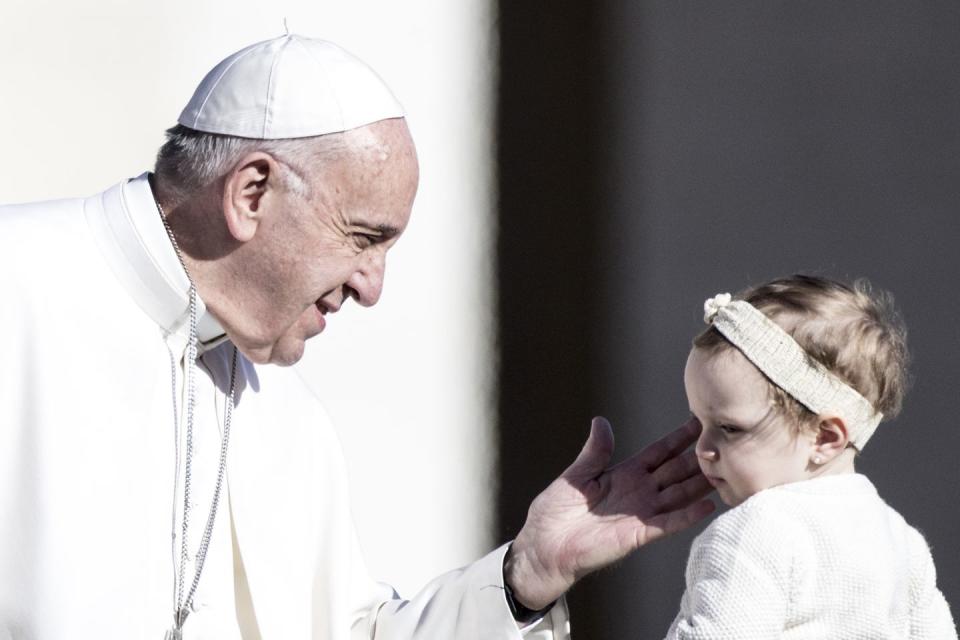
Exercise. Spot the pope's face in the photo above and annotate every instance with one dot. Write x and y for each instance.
(746, 444)
(313, 253)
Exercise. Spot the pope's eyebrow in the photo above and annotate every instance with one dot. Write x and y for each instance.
(381, 231)
(387, 231)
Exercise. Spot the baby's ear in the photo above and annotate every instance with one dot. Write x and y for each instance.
(831, 439)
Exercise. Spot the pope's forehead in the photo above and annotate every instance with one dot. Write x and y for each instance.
(381, 155)
(381, 140)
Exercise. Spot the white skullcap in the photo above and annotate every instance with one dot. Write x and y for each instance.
(289, 87)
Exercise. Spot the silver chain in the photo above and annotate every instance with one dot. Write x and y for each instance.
(184, 604)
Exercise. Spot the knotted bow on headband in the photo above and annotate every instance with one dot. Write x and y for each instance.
(714, 304)
(782, 360)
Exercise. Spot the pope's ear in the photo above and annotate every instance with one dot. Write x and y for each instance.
(245, 191)
(832, 437)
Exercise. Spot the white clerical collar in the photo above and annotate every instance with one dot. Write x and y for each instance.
(128, 228)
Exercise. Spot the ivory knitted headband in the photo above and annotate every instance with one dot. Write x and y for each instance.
(784, 362)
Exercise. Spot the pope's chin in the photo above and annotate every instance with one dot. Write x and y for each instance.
(284, 351)
(271, 346)
(287, 352)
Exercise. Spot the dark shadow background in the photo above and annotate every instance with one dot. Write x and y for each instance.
(652, 154)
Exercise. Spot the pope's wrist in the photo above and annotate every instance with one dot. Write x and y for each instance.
(527, 593)
(521, 613)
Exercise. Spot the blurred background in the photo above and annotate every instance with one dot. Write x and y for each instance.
(590, 172)
(652, 154)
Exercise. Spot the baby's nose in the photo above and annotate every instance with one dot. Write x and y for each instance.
(703, 449)
(707, 454)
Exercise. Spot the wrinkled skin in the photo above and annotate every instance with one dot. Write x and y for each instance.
(282, 260)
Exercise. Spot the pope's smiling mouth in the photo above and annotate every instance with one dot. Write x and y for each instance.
(325, 307)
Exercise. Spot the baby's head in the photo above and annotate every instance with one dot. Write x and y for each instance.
(773, 413)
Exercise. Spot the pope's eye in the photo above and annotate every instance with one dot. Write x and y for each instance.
(366, 239)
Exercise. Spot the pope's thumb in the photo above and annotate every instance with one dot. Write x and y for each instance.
(597, 451)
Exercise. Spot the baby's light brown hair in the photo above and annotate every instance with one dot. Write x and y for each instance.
(854, 331)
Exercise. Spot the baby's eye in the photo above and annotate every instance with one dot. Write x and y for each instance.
(729, 428)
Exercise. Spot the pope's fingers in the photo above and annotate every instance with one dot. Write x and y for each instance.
(676, 469)
(676, 520)
(681, 494)
(667, 447)
(596, 453)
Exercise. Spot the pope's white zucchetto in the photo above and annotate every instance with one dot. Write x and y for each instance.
(289, 87)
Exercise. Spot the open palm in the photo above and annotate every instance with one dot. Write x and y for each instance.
(592, 516)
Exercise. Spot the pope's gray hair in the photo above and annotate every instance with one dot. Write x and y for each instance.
(192, 160)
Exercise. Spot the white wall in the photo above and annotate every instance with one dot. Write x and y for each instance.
(89, 87)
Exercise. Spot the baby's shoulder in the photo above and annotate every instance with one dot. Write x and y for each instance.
(754, 538)
(766, 524)
(917, 547)
(765, 511)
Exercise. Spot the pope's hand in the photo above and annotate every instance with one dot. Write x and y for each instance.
(591, 516)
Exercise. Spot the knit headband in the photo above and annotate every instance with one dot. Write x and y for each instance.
(784, 362)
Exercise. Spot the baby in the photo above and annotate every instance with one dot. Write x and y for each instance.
(789, 383)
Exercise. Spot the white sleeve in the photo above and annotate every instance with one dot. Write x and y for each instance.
(737, 581)
(466, 604)
(929, 612)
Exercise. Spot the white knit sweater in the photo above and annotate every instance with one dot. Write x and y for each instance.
(823, 558)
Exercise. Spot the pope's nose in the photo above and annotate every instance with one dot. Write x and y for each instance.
(366, 284)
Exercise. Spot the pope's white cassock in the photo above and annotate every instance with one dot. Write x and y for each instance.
(93, 313)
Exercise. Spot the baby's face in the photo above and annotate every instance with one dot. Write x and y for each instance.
(746, 445)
